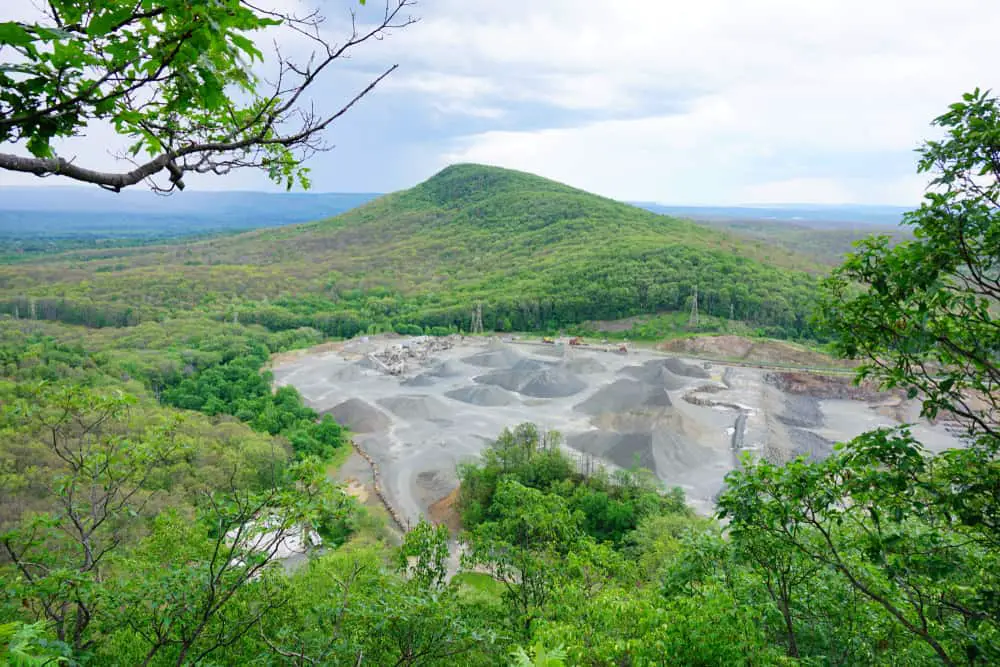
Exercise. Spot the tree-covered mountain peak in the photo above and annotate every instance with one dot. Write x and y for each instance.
(467, 199)
(462, 185)
(538, 254)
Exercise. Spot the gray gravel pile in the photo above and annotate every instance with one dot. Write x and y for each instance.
(686, 369)
(416, 407)
(359, 416)
(500, 358)
(622, 395)
(809, 444)
(545, 383)
(447, 369)
(677, 453)
(622, 449)
(656, 373)
(802, 411)
(650, 419)
(552, 383)
(585, 366)
(531, 365)
(662, 453)
(422, 380)
(485, 395)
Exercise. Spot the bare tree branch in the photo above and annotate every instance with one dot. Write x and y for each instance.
(274, 131)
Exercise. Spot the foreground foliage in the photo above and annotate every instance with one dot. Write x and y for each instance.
(912, 533)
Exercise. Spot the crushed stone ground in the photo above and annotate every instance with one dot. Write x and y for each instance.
(673, 416)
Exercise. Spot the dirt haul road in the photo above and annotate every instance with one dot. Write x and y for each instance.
(687, 421)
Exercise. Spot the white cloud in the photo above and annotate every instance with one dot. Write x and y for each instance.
(796, 88)
(454, 86)
(449, 94)
(688, 102)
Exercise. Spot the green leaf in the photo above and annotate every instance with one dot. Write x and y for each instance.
(38, 145)
(103, 23)
(15, 34)
(52, 33)
(246, 45)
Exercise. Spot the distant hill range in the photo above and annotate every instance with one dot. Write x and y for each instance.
(41, 220)
(80, 212)
(820, 216)
(824, 233)
(68, 211)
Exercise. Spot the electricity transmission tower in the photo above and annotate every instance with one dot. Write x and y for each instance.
(693, 322)
(477, 319)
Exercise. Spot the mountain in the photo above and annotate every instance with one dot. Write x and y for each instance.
(35, 221)
(537, 254)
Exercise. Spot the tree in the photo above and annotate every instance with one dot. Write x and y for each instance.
(423, 556)
(351, 610)
(173, 77)
(60, 556)
(81, 555)
(198, 588)
(25, 645)
(526, 547)
(539, 657)
(926, 318)
(913, 533)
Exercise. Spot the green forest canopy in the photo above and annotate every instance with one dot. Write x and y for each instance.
(538, 254)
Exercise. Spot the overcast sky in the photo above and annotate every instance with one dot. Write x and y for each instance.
(706, 102)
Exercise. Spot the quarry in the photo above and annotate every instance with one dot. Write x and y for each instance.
(419, 407)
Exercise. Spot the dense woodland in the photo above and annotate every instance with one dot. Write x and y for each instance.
(150, 475)
(827, 243)
(394, 264)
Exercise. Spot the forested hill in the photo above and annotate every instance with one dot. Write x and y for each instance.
(536, 253)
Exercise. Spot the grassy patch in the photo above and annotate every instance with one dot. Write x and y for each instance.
(337, 459)
(478, 581)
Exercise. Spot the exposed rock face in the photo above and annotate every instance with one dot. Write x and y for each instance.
(827, 386)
